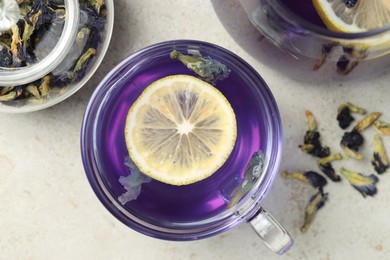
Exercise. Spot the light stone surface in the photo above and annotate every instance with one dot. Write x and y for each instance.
(49, 211)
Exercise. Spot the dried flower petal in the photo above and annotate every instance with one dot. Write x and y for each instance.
(344, 116)
(33, 90)
(345, 65)
(325, 51)
(309, 177)
(325, 164)
(5, 56)
(367, 121)
(311, 141)
(11, 94)
(362, 183)
(16, 46)
(81, 65)
(351, 142)
(379, 159)
(44, 88)
(382, 127)
(132, 183)
(208, 69)
(316, 201)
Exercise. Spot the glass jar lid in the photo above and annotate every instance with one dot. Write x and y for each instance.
(39, 41)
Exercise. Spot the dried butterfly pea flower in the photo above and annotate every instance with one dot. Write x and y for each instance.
(345, 65)
(5, 90)
(24, 7)
(44, 88)
(316, 201)
(208, 69)
(81, 65)
(367, 121)
(309, 177)
(351, 141)
(311, 142)
(253, 172)
(5, 56)
(325, 51)
(379, 159)
(349, 60)
(96, 4)
(132, 183)
(16, 47)
(33, 90)
(344, 116)
(13, 93)
(325, 164)
(94, 20)
(354, 53)
(5, 40)
(362, 183)
(382, 127)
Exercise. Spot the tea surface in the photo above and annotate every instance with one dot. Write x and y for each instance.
(304, 9)
(205, 199)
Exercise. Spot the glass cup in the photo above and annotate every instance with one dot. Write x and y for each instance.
(230, 196)
(314, 53)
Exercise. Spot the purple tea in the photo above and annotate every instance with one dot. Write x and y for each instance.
(154, 201)
(304, 9)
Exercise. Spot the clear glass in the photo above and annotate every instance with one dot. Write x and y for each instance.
(230, 196)
(312, 52)
(66, 55)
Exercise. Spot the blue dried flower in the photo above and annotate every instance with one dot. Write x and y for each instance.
(325, 164)
(379, 159)
(310, 177)
(316, 201)
(207, 68)
(362, 183)
(311, 141)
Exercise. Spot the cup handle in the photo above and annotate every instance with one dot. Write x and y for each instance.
(271, 232)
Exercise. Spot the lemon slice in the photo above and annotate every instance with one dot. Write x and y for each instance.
(353, 16)
(180, 130)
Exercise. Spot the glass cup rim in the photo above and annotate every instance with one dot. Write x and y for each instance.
(313, 28)
(247, 209)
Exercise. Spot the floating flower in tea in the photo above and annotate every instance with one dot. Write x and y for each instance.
(208, 69)
(253, 172)
(132, 183)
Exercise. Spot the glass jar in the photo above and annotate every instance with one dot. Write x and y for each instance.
(310, 52)
(52, 51)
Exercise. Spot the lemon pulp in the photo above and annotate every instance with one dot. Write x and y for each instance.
(180, 130)
(361, 16)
